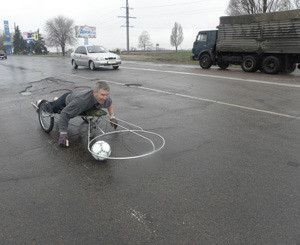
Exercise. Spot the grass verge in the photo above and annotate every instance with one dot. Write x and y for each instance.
(159, 56)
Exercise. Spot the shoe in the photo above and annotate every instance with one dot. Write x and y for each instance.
(38, 102)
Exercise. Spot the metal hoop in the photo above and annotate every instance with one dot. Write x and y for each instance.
(134, 131)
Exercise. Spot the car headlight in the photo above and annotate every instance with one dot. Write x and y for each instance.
(99, 58)
(118, 57)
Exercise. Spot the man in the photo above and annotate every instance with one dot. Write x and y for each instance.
(73, 104)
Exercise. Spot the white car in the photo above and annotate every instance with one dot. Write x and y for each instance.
(94, 57)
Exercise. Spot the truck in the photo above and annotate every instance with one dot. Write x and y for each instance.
(269, 42)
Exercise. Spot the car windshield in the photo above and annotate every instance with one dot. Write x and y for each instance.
(96, 49)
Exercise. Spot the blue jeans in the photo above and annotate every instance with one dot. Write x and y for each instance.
(60, 103)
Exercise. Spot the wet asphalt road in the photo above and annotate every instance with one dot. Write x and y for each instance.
(228, 174)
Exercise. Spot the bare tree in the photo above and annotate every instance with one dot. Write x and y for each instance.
(296, 4)
(60, 32)
(144, 41)
(2, 40)
(239, 7)
(177, 35)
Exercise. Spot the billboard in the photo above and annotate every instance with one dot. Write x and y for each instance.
(30, 36)
(85, 31)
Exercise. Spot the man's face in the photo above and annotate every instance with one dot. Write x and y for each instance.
(101, 96)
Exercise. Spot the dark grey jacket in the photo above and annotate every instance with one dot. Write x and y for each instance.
(77, 103)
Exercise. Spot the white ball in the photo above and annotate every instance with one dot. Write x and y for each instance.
(101, 150)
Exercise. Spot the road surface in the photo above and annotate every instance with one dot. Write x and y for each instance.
(229, 172)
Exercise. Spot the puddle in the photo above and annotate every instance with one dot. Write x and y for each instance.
(293, 164)
(26, 93)
(133, 84)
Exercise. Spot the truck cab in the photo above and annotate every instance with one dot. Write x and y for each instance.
(205, 43)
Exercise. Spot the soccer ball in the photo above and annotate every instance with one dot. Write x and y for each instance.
(101, 150)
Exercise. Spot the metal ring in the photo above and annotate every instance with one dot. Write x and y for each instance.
(135, 131)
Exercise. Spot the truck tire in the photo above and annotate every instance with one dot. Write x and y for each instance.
(271, 65)
(249, 64)
(223, 65)
(205, 61)
(289, 68)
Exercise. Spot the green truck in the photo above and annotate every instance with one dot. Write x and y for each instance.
(269, 42)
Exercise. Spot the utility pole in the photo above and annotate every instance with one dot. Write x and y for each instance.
(127, 22)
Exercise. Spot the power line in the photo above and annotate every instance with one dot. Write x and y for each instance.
(174, 4)
(127, 22)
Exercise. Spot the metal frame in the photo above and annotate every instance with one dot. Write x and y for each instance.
(124, 128)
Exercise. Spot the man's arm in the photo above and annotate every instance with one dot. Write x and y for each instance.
(113, 120)
(111, 110)
(70, 111)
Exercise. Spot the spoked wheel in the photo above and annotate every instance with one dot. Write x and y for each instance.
(46, 117)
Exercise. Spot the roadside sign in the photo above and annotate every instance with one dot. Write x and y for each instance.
(36, 36)
(28, 36)
(7, 43)
(7, 37)
(85, 31)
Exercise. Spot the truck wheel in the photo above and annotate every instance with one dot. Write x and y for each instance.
(205, 61)
(289, 68)
(249, 64)
(271, 65)
(223, 65)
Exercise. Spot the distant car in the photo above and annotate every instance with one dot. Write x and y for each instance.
(3, 54)
(93, 56)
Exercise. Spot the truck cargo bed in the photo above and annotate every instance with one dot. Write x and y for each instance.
(277, 32)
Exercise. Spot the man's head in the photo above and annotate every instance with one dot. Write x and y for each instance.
(101, 91)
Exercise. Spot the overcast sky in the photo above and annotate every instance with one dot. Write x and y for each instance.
(157, 17)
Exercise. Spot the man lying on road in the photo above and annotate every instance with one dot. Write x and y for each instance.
(72, 104)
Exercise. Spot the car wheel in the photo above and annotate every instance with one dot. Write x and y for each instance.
(75, 66)
(205, 61)
(116, 67)
(92, 65)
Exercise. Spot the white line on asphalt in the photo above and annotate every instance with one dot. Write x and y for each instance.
(221, 103)
(199, 98)
(214, 76)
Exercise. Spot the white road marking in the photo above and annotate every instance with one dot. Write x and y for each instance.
(214, 76)
(201, 99)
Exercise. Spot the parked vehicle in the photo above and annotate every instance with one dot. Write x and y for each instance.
(94, 57)
(269, 42)
(3, 54)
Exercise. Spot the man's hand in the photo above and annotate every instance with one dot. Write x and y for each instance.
(63, 139)
(113, 122)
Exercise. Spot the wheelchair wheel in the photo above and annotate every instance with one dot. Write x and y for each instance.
(46, 117)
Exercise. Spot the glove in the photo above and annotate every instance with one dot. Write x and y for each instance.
(63, 139)
(113, 122)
